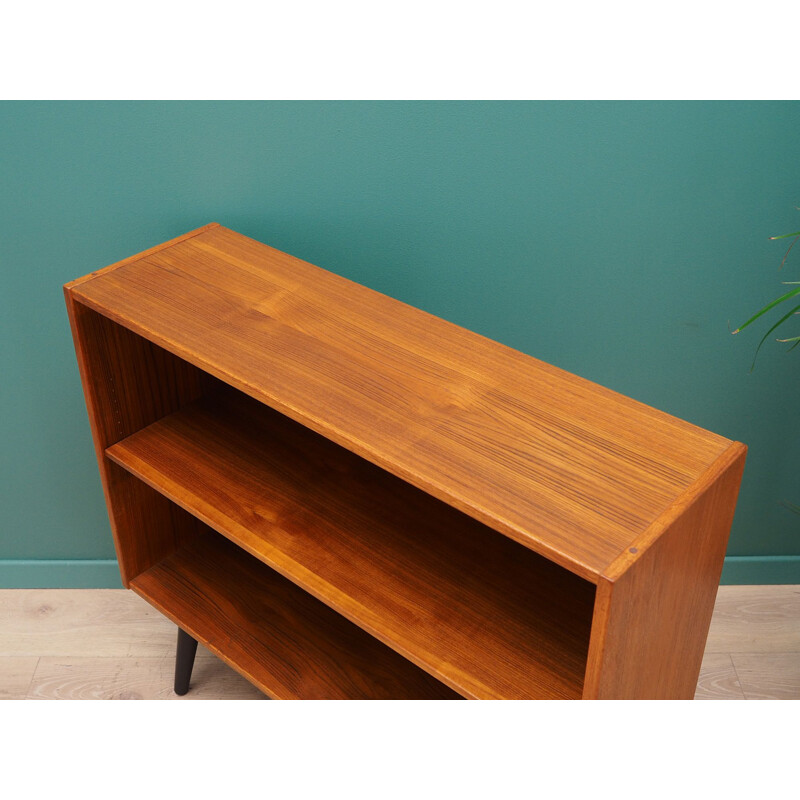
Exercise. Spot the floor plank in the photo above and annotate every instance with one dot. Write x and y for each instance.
(109, 643)
(82, 622)
(134, 679)
(718, 679)
(15, 676)
(755, 619)
(769, 676)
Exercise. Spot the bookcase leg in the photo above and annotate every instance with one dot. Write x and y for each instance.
(184, 661)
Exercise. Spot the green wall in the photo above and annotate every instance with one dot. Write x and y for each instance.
(614, 239)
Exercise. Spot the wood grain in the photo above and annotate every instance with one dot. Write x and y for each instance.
(129, 382)
(86, 678)
(283, 640)
(570, 469)
(152, 251)
(769, 676)
(718, 679)
(481, 613)
(755, 619)
(76, 622)
(15, 676)
(655, 603)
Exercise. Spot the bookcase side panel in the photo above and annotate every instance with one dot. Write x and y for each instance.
(128, 383)
(653, 606)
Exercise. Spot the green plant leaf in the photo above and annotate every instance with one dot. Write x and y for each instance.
(785, 235)
(767, 307)
(793, 339)
(764, 337)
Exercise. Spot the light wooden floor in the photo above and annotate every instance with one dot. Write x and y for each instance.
(109, 644)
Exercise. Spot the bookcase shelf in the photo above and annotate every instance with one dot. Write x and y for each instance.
(283, 640)
(343, 496)
(421, 576)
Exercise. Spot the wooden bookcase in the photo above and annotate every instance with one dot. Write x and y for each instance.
(346, 497)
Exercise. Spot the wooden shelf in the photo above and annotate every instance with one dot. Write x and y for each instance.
(280, 638)
(424, 578)
(346, 496)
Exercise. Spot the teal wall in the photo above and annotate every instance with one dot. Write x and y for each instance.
(614, 239)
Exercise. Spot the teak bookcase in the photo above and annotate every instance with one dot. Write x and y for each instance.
(345, 497)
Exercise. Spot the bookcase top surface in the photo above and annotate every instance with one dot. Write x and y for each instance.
(566, 467)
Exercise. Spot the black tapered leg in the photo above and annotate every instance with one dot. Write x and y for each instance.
(184, 661)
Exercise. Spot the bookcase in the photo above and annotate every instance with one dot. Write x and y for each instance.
(343, 496)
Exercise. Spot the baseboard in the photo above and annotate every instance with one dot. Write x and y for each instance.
(104, 573)
(761, 570)
(59, 574)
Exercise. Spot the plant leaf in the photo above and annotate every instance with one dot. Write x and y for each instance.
(793, 339)
(767, 307)
(764, 337)
(789, 250)
(785, 235)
